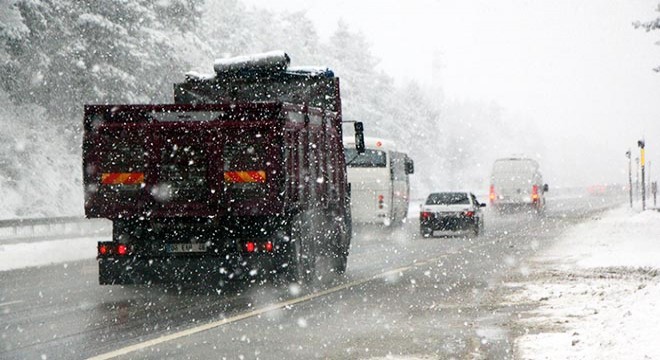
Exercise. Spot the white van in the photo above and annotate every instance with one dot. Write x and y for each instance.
(516, 184)
(380, 187)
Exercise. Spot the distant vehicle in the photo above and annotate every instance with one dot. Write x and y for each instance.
(451, 211)
(380, 187)
(244, 173)
(517, 184)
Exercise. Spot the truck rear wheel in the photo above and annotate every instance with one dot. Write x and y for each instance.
(299, 254)
(342, 241)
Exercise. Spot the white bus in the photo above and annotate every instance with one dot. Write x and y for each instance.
(380, 189)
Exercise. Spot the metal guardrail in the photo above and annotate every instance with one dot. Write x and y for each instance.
(41, 229)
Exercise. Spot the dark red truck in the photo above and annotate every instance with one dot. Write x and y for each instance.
(243, 174)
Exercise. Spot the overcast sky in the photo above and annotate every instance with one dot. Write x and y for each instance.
(577, 70)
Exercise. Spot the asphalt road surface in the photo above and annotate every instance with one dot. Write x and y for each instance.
(403, 297)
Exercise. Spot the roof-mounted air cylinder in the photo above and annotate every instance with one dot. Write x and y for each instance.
(270, 62)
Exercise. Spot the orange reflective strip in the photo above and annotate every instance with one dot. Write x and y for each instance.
(257, 176)
(122, 178)
(245, 176)
(134, 178)
(232, 177)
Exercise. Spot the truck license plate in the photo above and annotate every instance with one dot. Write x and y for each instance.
(186, 247)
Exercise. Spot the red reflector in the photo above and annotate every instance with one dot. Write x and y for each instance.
(103, 249)
(269, 246)
(250, 246)
(122, 249)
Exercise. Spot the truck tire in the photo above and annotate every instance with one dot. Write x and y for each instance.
(299, 253)
(342, 240)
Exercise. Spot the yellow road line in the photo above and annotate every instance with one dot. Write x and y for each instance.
(218, 323)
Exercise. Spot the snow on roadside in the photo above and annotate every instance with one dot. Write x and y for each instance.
(23, 255)
(596, 293)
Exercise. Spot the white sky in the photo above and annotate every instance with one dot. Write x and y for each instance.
(577, 70)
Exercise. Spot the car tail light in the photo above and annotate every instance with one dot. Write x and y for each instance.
(535, 193)
(492, 195)
(469, 213)
(250, 246)
(424, 215)
(103, 249)
(381, 201)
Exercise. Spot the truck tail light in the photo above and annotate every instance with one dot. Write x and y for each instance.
(268, 246)
(258, 246)
(109, 248)
(535, 193)
(381, 201)
(122, 249)
(491, 194)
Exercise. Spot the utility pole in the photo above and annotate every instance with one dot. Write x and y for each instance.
(637, 178)
(629, 178)
(641, 145)
(648, 179)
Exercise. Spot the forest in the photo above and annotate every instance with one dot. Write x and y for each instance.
(56, 56)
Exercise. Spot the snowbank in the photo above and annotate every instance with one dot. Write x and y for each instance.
(23, 255)
(595, 294)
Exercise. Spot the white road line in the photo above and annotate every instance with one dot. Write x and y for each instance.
(218, 323)
(11, 302)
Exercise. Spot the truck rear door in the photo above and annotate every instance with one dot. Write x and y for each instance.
(171, 161)
(252, 170)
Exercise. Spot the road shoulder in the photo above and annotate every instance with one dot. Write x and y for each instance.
(593, 294)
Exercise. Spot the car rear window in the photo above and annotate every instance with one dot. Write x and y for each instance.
(447, 199)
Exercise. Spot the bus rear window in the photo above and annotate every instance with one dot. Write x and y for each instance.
(369, 159)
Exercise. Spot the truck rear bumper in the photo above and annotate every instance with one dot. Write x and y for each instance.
(203, 270)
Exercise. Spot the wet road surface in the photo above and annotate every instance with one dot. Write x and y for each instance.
(403, 296)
